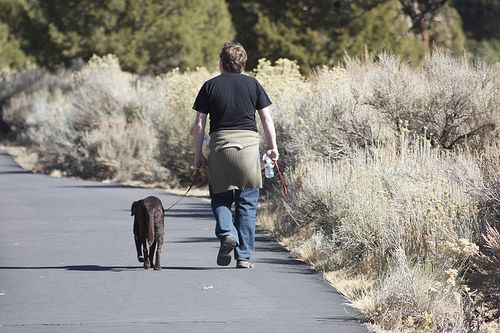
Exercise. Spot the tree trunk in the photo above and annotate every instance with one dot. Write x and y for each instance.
(425, 35)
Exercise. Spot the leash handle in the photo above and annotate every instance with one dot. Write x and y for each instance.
(196, 174)
(281, 178)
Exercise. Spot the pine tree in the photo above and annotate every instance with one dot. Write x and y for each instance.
(316, 32)
(309, 31)
(481, 25)
(149, 36)
(421, 13)
(11, 53)
(382, 28)
(480, 18)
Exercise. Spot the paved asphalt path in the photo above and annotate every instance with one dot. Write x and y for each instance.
(67, 264)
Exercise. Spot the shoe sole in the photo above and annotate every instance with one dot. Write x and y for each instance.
(245, 265)
(224, 257)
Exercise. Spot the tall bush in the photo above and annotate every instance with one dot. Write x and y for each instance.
(450, 100)
(389, 175)
(104, 123)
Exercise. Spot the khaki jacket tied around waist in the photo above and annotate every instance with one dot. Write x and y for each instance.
(234, 161)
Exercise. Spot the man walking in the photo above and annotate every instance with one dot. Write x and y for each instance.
(231, 100)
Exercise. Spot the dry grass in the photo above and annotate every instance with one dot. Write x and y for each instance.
(375, 200)
(106, 124)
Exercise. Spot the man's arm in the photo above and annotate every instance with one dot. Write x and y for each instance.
(270, 132)
(199, 134)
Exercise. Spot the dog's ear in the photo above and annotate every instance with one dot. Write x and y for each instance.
(132, 209)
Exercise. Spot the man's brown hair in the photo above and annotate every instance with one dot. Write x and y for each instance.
(233, 57)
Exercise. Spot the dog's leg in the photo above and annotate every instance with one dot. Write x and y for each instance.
(136, 230)
(158, 253)
(159, 233)
(147, 262)
(138, 247)
(152, 253)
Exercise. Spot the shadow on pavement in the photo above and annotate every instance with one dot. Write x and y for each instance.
(98, 268)
(280, 261)
(104, 186)
(338, 319)
(265, 243)
(291, 265)
(195, 215)
(15, 172)
(188, 240)
(189, 210)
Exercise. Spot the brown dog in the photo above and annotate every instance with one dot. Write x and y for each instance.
(148, 230)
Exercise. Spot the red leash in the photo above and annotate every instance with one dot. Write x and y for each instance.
(282, 179)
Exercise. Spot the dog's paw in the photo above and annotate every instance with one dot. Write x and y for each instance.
(140, 258)
(157, 268)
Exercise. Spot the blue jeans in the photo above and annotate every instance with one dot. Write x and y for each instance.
(242, 228)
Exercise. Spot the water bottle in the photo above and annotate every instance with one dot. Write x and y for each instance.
(268, 167)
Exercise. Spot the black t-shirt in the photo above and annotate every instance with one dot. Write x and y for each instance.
(231, 100)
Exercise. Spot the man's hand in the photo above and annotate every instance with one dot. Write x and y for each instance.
(273, 154)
